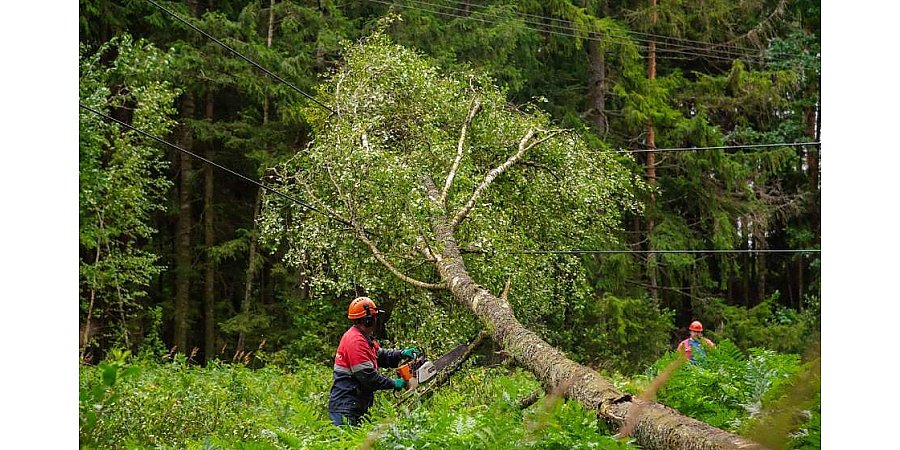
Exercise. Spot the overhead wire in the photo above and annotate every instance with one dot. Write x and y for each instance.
(344, 222)
(718, 147)
(570, 24)
(682, 49)
(240, 55)
(572, 27)
(704, 251)
(590, 38)
(543, 30)
(723, 48)
(216, 165)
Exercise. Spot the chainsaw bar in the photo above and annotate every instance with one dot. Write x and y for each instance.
(425, 370)
(450, 357)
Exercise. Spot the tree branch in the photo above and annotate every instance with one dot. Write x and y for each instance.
(361, 234)
(380, 257)
(476, 105)
(365, 142)
(505, 294)
(497, 171)
(544, 167)
(325, 205)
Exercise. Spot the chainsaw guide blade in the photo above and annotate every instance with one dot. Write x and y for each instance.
(450, 357)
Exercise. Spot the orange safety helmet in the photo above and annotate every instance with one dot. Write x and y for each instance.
(696, 326)
(362, 307)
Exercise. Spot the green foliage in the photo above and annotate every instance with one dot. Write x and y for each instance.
(432, 323)
(398, 119)
(176, 405)
(147, 404)
(98, 391)
(121, 179)
(726, 387)
(791, 412)
(767, 396)
(617, 334)
(767, 325)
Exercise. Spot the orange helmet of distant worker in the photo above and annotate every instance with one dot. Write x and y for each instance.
(696, 326)
(362, 307)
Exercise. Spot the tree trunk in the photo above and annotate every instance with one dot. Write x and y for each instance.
(651, 166)
(183, 231)
(597, 85)
(812, 117)
(800, 263)
(251, 268)
(760, 277)
(209, 240)
(746, 268)
(269, 34)
(246, 302)
(657, 426)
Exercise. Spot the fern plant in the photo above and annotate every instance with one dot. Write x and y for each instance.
(736, 391)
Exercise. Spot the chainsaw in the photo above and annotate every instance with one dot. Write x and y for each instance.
(420, 369)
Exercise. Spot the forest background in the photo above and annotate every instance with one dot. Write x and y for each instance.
(47, 217)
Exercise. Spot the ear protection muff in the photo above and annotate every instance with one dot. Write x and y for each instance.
(369, 319)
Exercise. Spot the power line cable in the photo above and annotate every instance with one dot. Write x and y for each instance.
(344, 222)
(705, 251)
(571, 26)
(254, 63)
(328, 215)
(570, 23)
(572, 35)
(590, 38)
(719, 147)
(218, 166)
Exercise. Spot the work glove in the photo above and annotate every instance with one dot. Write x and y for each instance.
(410, 352)
(399, 384)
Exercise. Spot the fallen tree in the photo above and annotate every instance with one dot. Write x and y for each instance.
(413, 163)
(655, 426)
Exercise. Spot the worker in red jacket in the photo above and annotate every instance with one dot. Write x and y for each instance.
(356, 363)
(693, 347)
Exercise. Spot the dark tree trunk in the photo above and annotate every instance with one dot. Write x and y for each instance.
(651, 167)
(746, 269)
(800, 263)
(246, 302)
(597, 85)
(657, 427)
(209, 240)
(812, 117)
(183, 231)
(760, 277)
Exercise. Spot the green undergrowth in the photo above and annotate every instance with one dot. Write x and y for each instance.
(770, 397)
(127, 403)
(131, 404)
